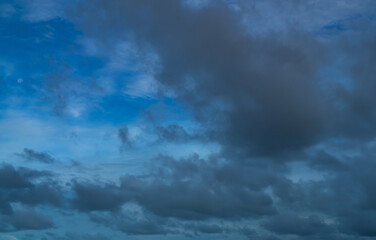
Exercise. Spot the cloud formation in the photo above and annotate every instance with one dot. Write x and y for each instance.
(31, 155)
(17, 186)
(283, 90)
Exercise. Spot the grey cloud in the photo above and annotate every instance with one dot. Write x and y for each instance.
(26, 219)
(34, 174)
(40, 194)
(77, 236)
(346, 196)
(71, 235)
(11, 178)
(295, 225)
(123, 134)
(141, 227)
(209, 228)
(181, 200)
(131, 225)
(174, 133)
(184, 189)
(360, 180)
(247, 106)
(271, 238)
(265, 99)
(29, 187)
(252, 93)
(91, 197)
(360, 224)
(31, 155)
(190, 189)
(325, 161)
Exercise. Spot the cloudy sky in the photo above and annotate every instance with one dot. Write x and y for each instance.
(187, 119)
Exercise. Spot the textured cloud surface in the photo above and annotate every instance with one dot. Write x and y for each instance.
(183, 119)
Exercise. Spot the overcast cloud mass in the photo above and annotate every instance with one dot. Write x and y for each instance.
(187, 119)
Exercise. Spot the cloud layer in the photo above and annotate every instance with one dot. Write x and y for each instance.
(235, 120)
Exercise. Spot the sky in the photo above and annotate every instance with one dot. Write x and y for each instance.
(187, 119)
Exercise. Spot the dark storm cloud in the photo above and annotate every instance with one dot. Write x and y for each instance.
(197, 189)
(194, 189)
(11, 178)
(258, 93)
(141, 227)
(77, 236)
(270, 238)
(70, 236)
(186, 189)
(130, 224)
(295, 225)
(350, 86)
(361, 182)
(31, 155)
(34, 174)
(198, 228)
(19, 186)
(324, 161)
(266, 99)
(248, 92)
(39, 194)
(176, 191)
(24, 220)
(181, 200)
(348, 196)
(360, 224)
(91, 197)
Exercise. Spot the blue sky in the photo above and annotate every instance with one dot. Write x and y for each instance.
(187, 119)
